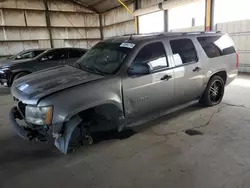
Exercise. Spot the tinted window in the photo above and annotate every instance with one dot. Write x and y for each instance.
(57, 55)
(25, 55)
(36, 53)
(76, 54)
(185, 49)
(153, 55)
(216, 46)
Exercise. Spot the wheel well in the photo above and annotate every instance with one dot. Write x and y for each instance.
(101, 118)
(223, 75)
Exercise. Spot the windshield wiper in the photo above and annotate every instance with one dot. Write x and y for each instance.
(94, 70)
(88, 69)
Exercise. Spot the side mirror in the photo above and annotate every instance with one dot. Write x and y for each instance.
(138, 69)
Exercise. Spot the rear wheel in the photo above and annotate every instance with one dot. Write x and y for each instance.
(214, 91)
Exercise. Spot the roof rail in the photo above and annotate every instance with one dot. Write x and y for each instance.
(170, 33)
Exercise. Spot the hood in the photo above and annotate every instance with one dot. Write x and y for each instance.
(29, 89)
(9, 62)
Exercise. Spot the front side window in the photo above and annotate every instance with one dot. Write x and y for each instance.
(153, 55)
(184, 48)
(25, 55)
(104, 58)
(56, 55)
(215, 46)
(151, 58)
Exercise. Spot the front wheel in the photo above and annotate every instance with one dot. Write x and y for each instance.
(214, 92)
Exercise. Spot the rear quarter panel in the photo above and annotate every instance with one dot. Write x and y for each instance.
(214, 65)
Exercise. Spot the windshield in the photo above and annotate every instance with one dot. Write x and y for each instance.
(104, 58)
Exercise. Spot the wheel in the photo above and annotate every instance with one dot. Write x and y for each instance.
(19, 75)
(214, 91)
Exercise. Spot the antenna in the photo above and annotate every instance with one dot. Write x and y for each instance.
(130, 37)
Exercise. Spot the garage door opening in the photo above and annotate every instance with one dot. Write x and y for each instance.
(151, 23)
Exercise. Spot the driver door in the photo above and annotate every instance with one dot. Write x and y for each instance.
(149, 86)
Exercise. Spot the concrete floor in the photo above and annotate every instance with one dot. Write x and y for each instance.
(159, 155)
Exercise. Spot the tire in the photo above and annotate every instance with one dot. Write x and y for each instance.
(18, 75)
(214, 92)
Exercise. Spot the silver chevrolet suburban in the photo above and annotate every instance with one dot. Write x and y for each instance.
(122, 82)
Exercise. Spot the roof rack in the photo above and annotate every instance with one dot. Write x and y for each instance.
(171, 33)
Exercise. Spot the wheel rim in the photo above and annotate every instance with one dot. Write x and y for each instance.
(215, 91)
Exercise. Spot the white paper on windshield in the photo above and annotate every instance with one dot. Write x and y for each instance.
(127, 45)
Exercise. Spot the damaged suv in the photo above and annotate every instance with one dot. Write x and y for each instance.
(122, 82)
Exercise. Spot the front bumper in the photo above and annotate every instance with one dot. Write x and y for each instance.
(28, 132)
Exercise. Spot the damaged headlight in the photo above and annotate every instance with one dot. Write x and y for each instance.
(39, 115)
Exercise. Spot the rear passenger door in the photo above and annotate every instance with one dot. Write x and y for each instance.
(189, 75)
(74, 55)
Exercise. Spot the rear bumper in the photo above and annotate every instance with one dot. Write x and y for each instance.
(4, 82)
(231, 76)
(28, 132)
(4, 79)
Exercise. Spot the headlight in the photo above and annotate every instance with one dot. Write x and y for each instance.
(39, 115)
(3, 70)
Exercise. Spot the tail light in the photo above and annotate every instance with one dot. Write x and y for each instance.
(237, 60)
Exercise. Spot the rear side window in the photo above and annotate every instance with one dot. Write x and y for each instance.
(36, 53)
(215, 46)
(153, 55)
(76, 54)
(185, 49)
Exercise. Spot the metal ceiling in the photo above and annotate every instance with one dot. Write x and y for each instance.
(100, 6)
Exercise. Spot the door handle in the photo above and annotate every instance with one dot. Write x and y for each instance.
(197, 69)
(166, 77)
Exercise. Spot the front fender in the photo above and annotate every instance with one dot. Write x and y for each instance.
(70, 102)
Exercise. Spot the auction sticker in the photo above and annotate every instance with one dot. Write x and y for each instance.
(127, 45)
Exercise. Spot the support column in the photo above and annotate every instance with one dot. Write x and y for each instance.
(209, 17)
(48, 22)
(137, 6)
(166, 21)
(101, 26)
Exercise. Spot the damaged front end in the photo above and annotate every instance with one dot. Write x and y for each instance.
(25, 130)
(29, 131)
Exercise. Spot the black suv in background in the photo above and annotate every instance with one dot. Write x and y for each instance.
(25, 54)
(15, 68)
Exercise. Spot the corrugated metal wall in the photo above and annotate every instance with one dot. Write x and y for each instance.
(23, 25)
(118, 21)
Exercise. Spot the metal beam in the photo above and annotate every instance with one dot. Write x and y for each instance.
(209, 17)
(131, 12)
(166, 21)
(137, 6)
(101, 26)
(48, 22)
